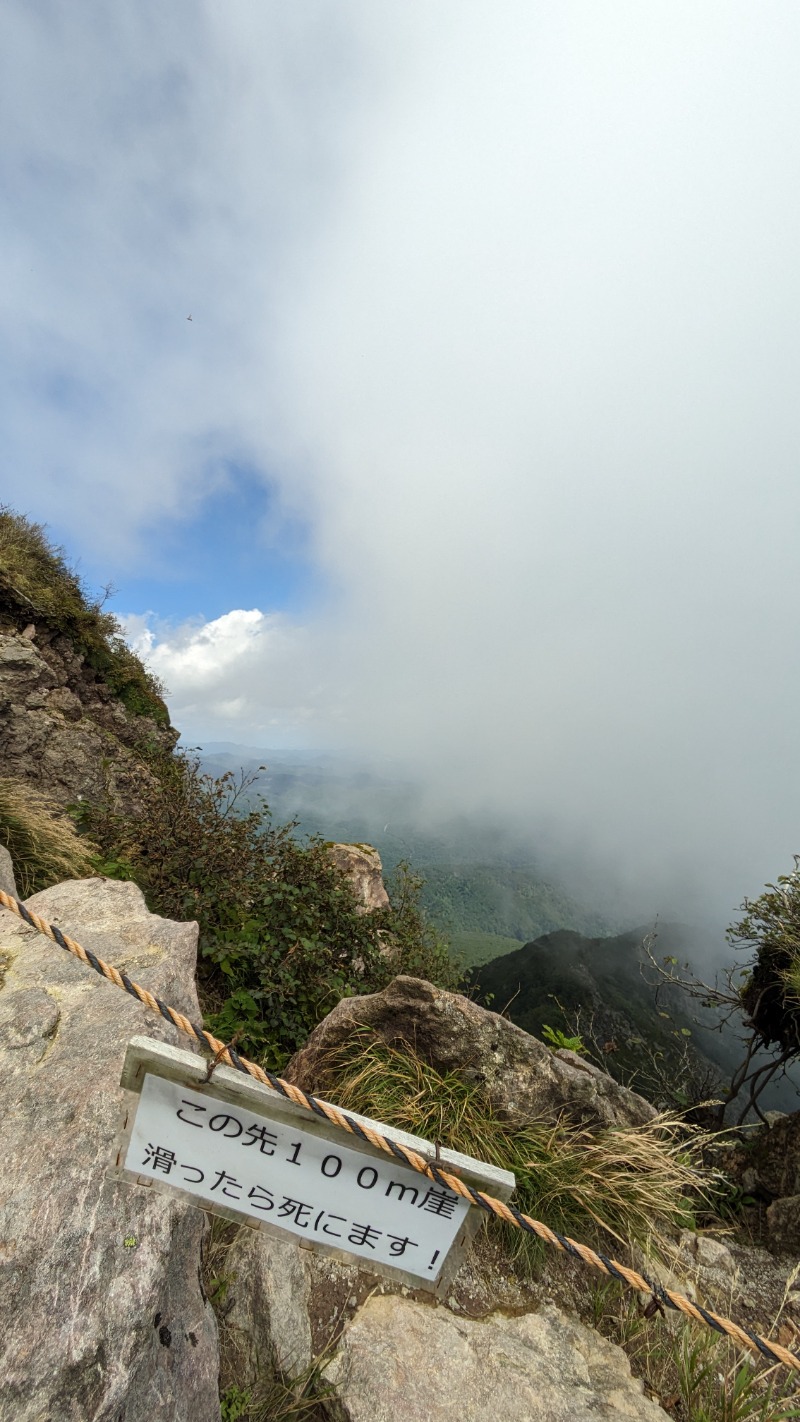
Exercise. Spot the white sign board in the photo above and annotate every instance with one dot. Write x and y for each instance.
(281, 1174)
(243, 1150)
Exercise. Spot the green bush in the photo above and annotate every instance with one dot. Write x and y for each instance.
(764, 994)
(282, 937)
(770, 994)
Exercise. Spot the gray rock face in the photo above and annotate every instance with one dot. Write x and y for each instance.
(267, 1324)
(61, 728)
(7, 883)
(783, 1223)
(109, 1322)
(399, 1358)
(522, 1077)
(773, 1160)
(402, 1357)
(362, 865)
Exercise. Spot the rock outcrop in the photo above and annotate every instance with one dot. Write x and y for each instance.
(400, 1358)
(361, 864)
(387, 1354)
(106, 1320)
(773, 1158)
(61, 727)
(783, 1224)
(769, 1168)
(522, 1078)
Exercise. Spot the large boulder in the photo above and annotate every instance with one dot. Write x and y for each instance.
(401, 1358)
(109, 1322)
(783, 1224)
(523, 1079)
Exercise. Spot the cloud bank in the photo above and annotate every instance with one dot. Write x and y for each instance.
(245, 674)
(505, 309)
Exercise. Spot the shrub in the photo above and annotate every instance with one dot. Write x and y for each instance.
(770, 994)
(764, 994)
(282, 939)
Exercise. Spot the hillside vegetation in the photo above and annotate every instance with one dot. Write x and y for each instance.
(38, 585)
(282, 936)
(474, 947)
(490, 909)
(480, 887)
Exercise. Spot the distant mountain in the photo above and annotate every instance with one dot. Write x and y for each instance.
(604, 982)
(488, 909)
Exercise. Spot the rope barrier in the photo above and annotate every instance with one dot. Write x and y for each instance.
(668, 1298)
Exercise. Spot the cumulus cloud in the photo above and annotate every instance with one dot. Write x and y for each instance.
(246, 675)
(198, 656)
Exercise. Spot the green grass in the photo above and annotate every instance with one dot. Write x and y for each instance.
(694, 1374)
(474, 947)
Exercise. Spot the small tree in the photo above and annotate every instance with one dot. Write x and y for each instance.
(763, 995)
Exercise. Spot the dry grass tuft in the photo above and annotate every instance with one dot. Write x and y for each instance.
(635, 1184)
(45, 847)
(694, 1374)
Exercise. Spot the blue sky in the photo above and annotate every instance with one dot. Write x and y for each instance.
(481, 446)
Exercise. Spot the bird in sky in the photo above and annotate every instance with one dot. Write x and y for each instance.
(188, 318)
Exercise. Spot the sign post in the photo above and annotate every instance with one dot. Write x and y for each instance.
(239, 1149)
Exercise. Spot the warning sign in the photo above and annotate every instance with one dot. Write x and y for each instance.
(239, 1148)
(279, 1173)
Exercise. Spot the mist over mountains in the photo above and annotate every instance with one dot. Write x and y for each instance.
(539, 940)
(486, 885)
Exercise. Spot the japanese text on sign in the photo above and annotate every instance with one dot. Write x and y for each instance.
(271, 1170)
